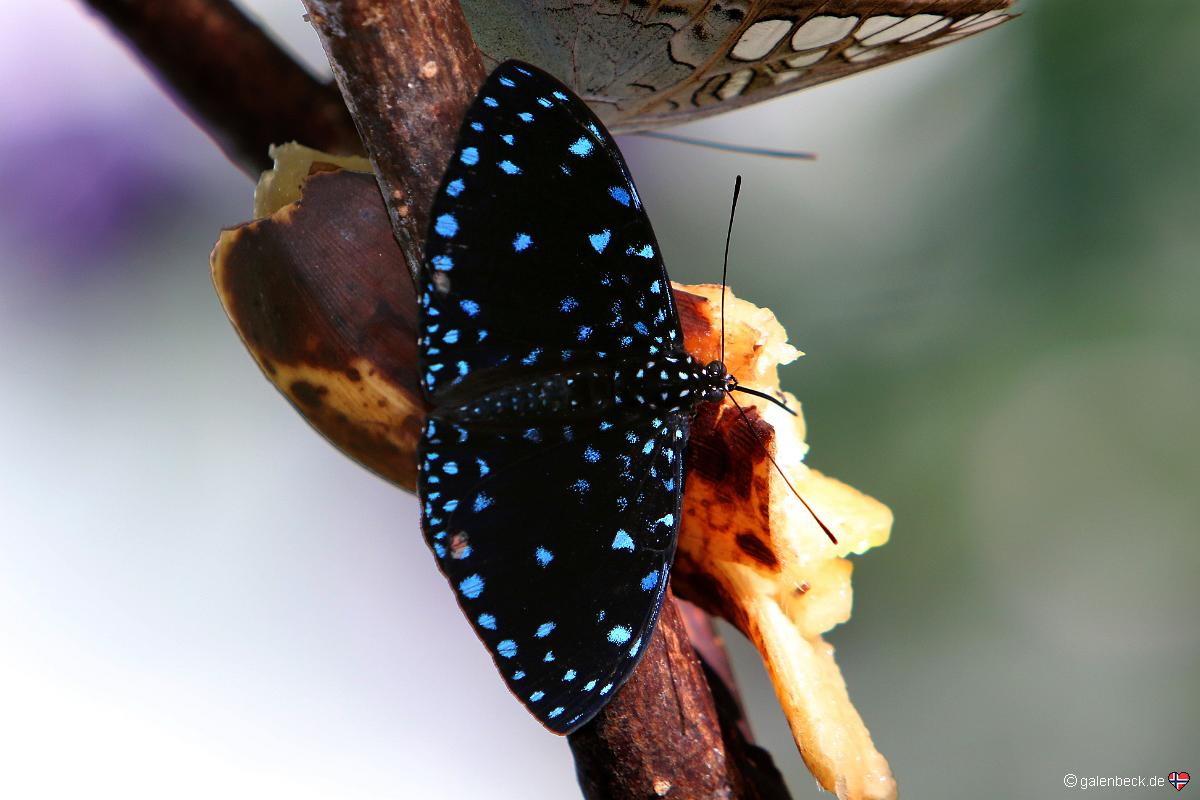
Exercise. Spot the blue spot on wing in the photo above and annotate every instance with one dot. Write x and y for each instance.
(619, 634)
(619, 194)
(600, 240)
(446, 225)
(471, 587)
(650, 581)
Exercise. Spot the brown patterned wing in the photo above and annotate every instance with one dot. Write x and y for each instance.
(644, 65)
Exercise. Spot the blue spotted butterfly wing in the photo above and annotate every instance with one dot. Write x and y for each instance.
(550, 505)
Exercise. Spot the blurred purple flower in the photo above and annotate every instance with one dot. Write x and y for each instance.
(74, 191)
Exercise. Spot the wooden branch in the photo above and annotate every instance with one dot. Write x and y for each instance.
(664, 734)
(408, 70)
(711, 651)
(236, 83)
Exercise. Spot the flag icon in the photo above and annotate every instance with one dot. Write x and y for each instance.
(1179, 780)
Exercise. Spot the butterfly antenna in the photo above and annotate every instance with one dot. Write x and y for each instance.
(791, 155)
(737, 190)
(804, 502)
(739, 388)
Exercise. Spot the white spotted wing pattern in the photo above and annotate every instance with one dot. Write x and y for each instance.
(551, 462)
(648, 63)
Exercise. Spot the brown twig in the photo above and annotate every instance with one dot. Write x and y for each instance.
(230, 77)
(667, 734)
(407, 70)
(711, 651)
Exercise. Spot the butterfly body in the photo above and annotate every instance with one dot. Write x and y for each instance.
(674, 382)
(551, 354)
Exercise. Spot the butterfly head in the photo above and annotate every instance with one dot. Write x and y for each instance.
(717, 381)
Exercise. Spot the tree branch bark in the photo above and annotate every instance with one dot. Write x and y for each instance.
(407, 70)
(231, 78)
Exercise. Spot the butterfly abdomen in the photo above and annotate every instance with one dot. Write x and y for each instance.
(575, 393)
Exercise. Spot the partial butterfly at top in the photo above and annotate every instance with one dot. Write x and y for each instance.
(644, 64)
(551, 463)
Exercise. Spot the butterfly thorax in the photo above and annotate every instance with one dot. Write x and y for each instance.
(669, 382)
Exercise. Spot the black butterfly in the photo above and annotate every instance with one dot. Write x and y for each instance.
(551, 465)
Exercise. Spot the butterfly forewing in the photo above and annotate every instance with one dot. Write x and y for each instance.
(645, 65)
(540, 254)
(555, 527)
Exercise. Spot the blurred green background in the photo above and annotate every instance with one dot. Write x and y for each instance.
(994, 267)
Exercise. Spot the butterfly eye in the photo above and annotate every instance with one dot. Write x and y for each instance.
(715, 370)
(714, 395)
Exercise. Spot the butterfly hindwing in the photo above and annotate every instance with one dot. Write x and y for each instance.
(540, 254)
(558, 541)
